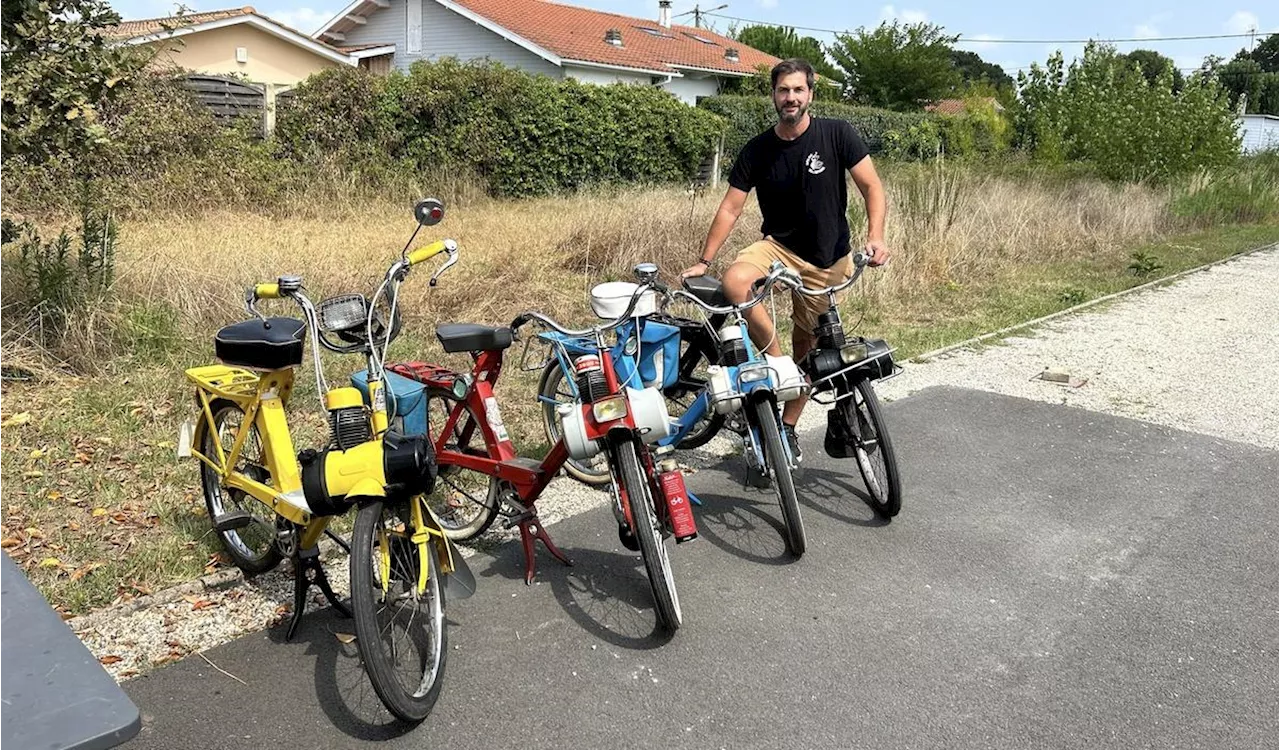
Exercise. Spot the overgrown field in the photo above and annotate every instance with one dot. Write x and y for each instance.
(95, 506)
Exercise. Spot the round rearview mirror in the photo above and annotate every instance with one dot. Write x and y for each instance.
(646, 271)
(428, 211)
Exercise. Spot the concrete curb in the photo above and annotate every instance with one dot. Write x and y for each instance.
(967, 343)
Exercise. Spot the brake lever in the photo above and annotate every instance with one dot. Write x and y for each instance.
(250, 304)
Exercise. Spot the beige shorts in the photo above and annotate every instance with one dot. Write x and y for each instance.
(804, 310)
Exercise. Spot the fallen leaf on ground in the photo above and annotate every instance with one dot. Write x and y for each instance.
(110, 659)
(33, 474)
(99, 512)
(50, 562)
(198, 603)
(17, 419)
(37, 453)
(345, 637)
(10, 542)
(85, 570)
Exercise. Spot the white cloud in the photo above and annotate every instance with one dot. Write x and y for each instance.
(890, 13)
(1241, 22)
(1145, 31)
(306, 20)
(767, 3)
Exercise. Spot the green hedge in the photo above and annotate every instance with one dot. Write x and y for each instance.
(521, 134)
(748, 116)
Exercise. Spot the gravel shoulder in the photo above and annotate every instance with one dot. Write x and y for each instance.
(1199, 354)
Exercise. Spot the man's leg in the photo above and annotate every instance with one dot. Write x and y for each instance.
(737, 282)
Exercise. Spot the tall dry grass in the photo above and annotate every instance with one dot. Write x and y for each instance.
(945, 225)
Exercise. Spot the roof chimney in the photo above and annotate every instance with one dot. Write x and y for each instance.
(614, 37)
(664, 13)
(731, 54)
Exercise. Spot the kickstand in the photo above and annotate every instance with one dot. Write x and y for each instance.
(308, 572)
(530, 529)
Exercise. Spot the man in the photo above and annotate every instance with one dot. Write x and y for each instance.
(797, 168)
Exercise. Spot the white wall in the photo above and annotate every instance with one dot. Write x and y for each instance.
(1258, 132)
(603, 77)
(688, 89)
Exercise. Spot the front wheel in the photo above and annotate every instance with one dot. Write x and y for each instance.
(874, 451)
(647, 531)
(775, 457)
(400, 631)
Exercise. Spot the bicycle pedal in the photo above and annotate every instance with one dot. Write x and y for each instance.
(233, 521)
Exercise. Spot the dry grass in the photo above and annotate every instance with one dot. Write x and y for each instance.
(90, 479)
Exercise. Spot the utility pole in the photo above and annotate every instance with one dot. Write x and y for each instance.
(698, 13)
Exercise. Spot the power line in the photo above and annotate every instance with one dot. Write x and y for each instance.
(962, 40)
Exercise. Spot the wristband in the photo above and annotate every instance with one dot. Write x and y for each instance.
(705, 262)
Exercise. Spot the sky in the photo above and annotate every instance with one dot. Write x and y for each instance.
(980, 25)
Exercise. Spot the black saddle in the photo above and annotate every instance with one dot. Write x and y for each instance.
(707, 289)
(273, 344)
(471, 337)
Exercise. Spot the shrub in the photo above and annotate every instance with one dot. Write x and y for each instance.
(1104, 111)
(522, 134)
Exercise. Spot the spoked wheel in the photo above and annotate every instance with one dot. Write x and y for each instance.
(766, 418)
(400, 630)
(874, 451)
(693, 381)
(553, 390)
(649, 533)
(252, 547)
(465, 501)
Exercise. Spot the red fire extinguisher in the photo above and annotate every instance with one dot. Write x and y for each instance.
(671, 479)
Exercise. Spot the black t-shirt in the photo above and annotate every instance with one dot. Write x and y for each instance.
(801, 187)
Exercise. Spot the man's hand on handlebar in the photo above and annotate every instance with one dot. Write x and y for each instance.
(877, 251)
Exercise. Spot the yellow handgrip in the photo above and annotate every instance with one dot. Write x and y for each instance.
(269, 290)
(426, 253)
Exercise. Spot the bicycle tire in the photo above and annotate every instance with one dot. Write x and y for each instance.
(885, 487)
(702, 351)
(647, 532)
(594, 472)
(766, 417)
(407, 704)
(449, 477)
(242, 552)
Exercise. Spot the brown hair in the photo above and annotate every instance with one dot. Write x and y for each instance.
(787, 67)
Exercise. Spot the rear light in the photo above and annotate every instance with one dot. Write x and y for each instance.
(609, 409)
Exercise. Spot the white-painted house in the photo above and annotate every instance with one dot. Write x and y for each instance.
(540, 37)
(1258, 132)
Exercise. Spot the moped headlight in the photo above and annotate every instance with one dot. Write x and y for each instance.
(753, 374)
(609, 409)
(851, 353)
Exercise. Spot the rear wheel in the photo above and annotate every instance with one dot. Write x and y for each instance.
(648, 533)
(553, 390)
(465, 501)
(401, 632)
(874, 451)
(252, 548)
(775, 456)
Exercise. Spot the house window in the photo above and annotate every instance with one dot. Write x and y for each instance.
(654, 32)
(702, 39)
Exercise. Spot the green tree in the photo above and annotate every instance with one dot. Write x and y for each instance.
(1104, 112)
(59, 69)
(783, 42)
(1153, 65)
(973, 69)
(897, 66)
(1264, 54)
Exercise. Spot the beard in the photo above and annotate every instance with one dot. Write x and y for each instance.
(791, 119)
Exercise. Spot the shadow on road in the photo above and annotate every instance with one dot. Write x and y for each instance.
(837, 495)
(606, 593)
(343, 690)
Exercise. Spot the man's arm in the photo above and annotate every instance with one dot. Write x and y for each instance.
(868, 182)
(726, 217)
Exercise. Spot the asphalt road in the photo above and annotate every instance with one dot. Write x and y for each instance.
(1057, 578)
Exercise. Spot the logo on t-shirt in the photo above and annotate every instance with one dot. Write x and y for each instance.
(814, 163)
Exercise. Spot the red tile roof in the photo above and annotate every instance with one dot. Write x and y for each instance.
(956, 106)
(573, 33)
(146, 26)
